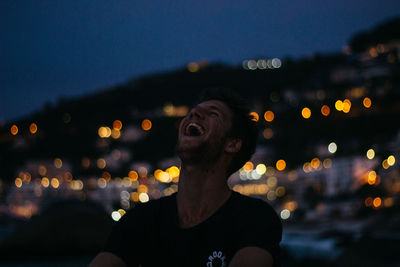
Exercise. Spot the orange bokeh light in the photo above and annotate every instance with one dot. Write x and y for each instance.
(33, 128)
(14, 129)
(325, 110)
(280, 165)
(367, 102)
(254, 116)
(306, 113)
(117, 125)
(269, 116)
(146, 124)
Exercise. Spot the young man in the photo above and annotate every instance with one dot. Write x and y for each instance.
(204, 223)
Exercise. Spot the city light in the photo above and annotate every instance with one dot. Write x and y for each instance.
(14, 130)
(33, 128)
(193, 67)
(58, 163)
(269, 116)
(255, 116)
(268, 133)
(285, 214)
(18, 182)
(280, 165)
(306, 113)
(117, 125)
(332, 147)
(370, 153)
(367, 102)
(261, 169)
(325, 110)
(146, 124)
(339, 105)
(116, 216)
(391, 160)
(248, 166)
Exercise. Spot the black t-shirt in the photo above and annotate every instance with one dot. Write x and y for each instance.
(149, 234)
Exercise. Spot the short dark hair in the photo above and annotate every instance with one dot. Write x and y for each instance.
(243, 126)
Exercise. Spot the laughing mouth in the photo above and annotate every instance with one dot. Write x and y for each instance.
(194, 129)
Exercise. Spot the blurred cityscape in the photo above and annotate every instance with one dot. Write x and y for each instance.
(327, 158)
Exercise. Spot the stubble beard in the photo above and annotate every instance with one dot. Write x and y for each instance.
(204, 153)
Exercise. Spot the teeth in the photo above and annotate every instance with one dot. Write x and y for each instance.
(198, 127)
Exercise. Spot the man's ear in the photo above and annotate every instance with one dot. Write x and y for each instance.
(233, 145)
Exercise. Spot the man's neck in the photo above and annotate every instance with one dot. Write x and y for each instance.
(202, 190)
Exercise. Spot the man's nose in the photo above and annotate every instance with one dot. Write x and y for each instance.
(197, 112)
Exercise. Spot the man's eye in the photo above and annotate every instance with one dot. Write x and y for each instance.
(214, 114)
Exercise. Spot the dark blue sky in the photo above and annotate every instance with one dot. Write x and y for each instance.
(51, 49)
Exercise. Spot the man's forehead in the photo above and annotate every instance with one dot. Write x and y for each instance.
(215, 104)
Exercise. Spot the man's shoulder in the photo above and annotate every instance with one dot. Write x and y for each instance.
(151, 207)
(249, 207)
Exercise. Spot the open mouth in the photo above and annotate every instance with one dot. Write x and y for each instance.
(193, 129)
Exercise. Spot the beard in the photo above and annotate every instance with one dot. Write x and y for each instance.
(202, 153)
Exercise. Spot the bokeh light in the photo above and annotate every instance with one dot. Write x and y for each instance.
(370, 153)
(255, 116)
(280, 165)
(306, 113)
(269, 116)
(14, 129)
(325, 110)
(367, 102)
(146, 124)
(332, 147)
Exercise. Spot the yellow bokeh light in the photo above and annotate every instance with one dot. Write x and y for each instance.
(173, 171)
(272, 181)
(280, 165)
(58, 163)
(391, 160)
(14, 130)
(261, 169)
(143, 197)
(306, 113)
(325, 110)
(269, 116)
(122, 212)
(339, 105)
(248, 166)
(117, 125)
(146, 124)
(165, 177)
(367, 102)
(115, 134)
(55, 183)
(307, 167)
(346, 106)
(102, 183)
(104, 132)
(101, 163)
(370, 153)
(45, 182)
(193, 67)
(254, 115)
(133, 175)
(18, 182)
(371, 177)
(33, 128)
(377, 202)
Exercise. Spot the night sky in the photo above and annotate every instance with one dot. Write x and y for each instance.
(52, 49)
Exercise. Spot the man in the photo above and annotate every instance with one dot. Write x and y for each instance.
(204, 223)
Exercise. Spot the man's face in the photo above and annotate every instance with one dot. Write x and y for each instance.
(205, 129)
